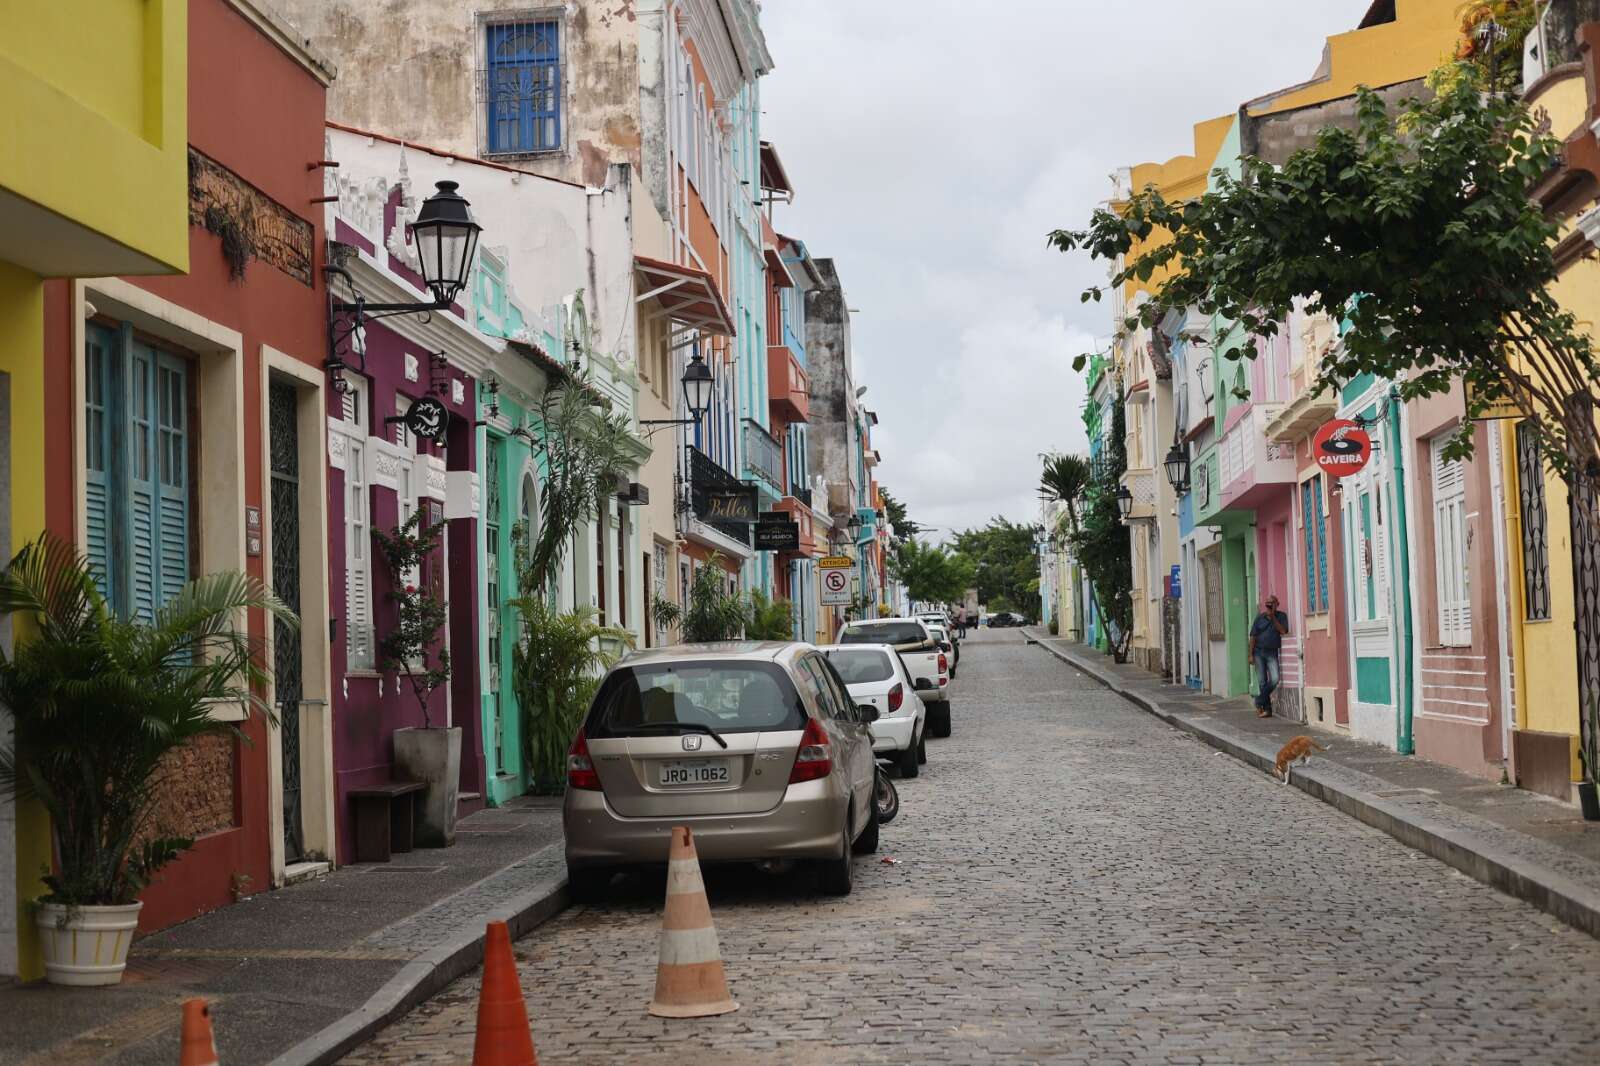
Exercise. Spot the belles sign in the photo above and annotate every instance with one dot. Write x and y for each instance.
(1341, 448)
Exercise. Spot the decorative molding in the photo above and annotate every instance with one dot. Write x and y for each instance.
(338, 446)
(413, 370)
(435, 479)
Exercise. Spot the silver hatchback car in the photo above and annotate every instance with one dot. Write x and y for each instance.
(757, 747)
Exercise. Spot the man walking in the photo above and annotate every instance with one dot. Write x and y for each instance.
(1266, 639)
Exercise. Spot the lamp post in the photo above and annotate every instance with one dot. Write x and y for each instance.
(1124, 503)
(1177, 467)
(447, 240)
(697, 384)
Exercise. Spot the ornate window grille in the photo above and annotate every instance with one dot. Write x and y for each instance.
(1535, 526)
(520, 87)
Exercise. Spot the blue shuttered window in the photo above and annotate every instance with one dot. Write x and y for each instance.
(1314, 522)
(140, 522)
(523, 87)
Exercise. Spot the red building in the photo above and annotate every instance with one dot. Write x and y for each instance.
(187, 436)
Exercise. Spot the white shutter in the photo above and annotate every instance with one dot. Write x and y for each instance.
(357, 538)
(1450, 547)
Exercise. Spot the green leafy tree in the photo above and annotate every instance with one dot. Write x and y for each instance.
(555, 666)
(712, 614)
(583, 451)
(1066, 478)
(420, 616)
(930, 573)
(1004, 563)
(770, 619)
(99, 703)
(895, 511)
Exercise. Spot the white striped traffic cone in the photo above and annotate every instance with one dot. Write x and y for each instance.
(690, 982)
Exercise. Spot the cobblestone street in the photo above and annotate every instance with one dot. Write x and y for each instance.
(1077, 882)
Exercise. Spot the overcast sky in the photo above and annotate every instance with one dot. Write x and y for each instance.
(932, 147)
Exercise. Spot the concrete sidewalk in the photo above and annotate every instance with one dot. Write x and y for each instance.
(302, 974)
(1519, 842)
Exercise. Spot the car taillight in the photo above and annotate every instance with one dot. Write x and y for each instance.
(897, 696)
(816, 756)
(580, 768)
(944, 664)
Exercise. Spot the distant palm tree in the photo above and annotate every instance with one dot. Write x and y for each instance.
(1066, 478)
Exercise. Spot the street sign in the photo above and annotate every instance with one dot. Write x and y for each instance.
(835, 562)
(1177, 582)
(835, 588)
(1341, 448)
(782, 535)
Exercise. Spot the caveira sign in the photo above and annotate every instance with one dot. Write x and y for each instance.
(1341, 448)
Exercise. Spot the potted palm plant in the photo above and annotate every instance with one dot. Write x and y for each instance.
(98, 702)
(414, 650)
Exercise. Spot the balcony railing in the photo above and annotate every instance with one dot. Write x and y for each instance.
(763, 454)
(706, 474)
(1142, 484)
(1249, 462)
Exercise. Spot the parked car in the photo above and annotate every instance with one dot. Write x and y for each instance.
(1006, 619)
(877, 677)
(928, 665)
(933, 618)
(946, 639)
(757, 747)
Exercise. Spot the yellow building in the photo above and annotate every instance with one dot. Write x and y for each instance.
(1146, 377)
(93, 182)
(1538, 536)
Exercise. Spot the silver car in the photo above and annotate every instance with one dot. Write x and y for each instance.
(757, 747)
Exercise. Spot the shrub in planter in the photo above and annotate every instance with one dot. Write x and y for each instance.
(97, 703)
(414, 650)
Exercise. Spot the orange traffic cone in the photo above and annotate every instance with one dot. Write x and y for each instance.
(504, 1037)
(690, 982)
(197, 1048)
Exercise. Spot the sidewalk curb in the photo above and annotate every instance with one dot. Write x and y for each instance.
(1551, 891)
(425, 975)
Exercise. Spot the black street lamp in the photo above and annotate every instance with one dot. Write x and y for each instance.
(1177, 465)
(447, 240)
(1124, 503)
(697, 385)
(854, 526)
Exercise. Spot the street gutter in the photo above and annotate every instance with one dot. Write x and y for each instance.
(1555, 893)
(427, 974)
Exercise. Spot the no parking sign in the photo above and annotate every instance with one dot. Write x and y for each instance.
(835, 588)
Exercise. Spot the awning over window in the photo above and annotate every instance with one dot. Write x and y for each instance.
(685, 294)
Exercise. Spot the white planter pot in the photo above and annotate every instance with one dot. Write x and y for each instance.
(85, 945)
(432, 756)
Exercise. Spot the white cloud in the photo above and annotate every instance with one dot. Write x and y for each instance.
(933, 144)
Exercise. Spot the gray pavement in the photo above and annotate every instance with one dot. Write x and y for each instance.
(1528, 845)
(1078, 882)
(282, 967)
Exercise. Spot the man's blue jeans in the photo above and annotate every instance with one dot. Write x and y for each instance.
(1271, 677)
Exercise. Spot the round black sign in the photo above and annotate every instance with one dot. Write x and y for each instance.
(426, 417)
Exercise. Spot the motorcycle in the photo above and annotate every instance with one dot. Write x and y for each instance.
(885, 795)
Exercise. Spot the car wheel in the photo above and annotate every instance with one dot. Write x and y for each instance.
(907, 763)
(939, 719)
(922, 749)
(588, 884)
(834, 876)
(867, 842)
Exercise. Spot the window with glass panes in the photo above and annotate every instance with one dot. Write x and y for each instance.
(523, 86)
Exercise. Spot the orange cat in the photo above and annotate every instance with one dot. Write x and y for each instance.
(1298, 749)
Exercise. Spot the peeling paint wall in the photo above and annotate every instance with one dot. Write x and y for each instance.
(832, 389)
(412, 69)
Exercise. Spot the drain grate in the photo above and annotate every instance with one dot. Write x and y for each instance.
(1396, 793)
(391, 869)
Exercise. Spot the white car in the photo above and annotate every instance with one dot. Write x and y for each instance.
(947, 644)
(928, 665)
(876, 677)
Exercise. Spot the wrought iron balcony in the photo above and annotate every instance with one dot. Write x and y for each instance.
(763, 455)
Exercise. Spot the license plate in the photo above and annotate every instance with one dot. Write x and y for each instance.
(693, 772)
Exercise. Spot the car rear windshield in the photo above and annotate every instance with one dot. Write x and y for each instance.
(730, 697)
(883, 633)
(860, 666)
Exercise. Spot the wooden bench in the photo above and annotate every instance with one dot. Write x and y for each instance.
(386, 819)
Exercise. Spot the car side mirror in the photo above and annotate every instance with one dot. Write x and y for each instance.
(924, 685)
(868, 712)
